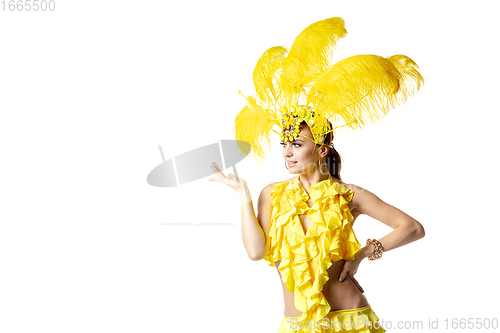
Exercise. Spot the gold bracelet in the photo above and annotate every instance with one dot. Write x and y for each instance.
(377, 251)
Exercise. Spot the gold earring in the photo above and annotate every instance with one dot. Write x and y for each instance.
(323, 162)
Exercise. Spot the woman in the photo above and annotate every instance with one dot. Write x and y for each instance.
(344, 292)
(304, 224)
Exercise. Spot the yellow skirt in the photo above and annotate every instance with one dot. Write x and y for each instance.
(359, 320)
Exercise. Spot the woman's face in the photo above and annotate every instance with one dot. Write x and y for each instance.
(301, 151)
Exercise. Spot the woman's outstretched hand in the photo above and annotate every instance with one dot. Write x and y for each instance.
(230, 180)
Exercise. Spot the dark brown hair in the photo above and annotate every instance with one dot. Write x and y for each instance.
(333, 159)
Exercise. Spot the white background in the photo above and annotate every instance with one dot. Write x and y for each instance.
(89, 91)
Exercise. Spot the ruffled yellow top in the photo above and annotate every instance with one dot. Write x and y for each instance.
(305, 258)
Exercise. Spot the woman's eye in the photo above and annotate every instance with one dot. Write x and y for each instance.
(295, 144)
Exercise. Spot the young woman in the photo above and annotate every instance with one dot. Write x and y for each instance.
(341, 290)
(304, 224)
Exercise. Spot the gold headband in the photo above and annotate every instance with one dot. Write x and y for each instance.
(293, 116)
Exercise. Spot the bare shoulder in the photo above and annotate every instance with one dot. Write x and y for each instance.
(366, 202)
(359, 193)
(265, 194)
(267, 189)
(275, 183)
(353, 187)
(353, 205)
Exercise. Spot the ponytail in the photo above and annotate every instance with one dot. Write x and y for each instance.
(333, 160)
(334, 163)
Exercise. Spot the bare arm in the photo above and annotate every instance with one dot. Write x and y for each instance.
(255, 229)
(406, 228)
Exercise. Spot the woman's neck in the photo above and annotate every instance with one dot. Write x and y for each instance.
(308, 180)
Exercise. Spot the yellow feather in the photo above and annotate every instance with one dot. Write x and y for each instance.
(309, 56)
(252, 124)
(364, 88)
(351, 93)
(264, 73)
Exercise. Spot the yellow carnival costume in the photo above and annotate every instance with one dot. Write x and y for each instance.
(298, 86)
(305, 258)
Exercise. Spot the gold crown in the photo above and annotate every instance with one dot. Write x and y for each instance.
(293, 116)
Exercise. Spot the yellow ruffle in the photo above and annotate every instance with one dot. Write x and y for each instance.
(305, 258)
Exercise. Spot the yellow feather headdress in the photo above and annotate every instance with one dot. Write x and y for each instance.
(300, 85)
